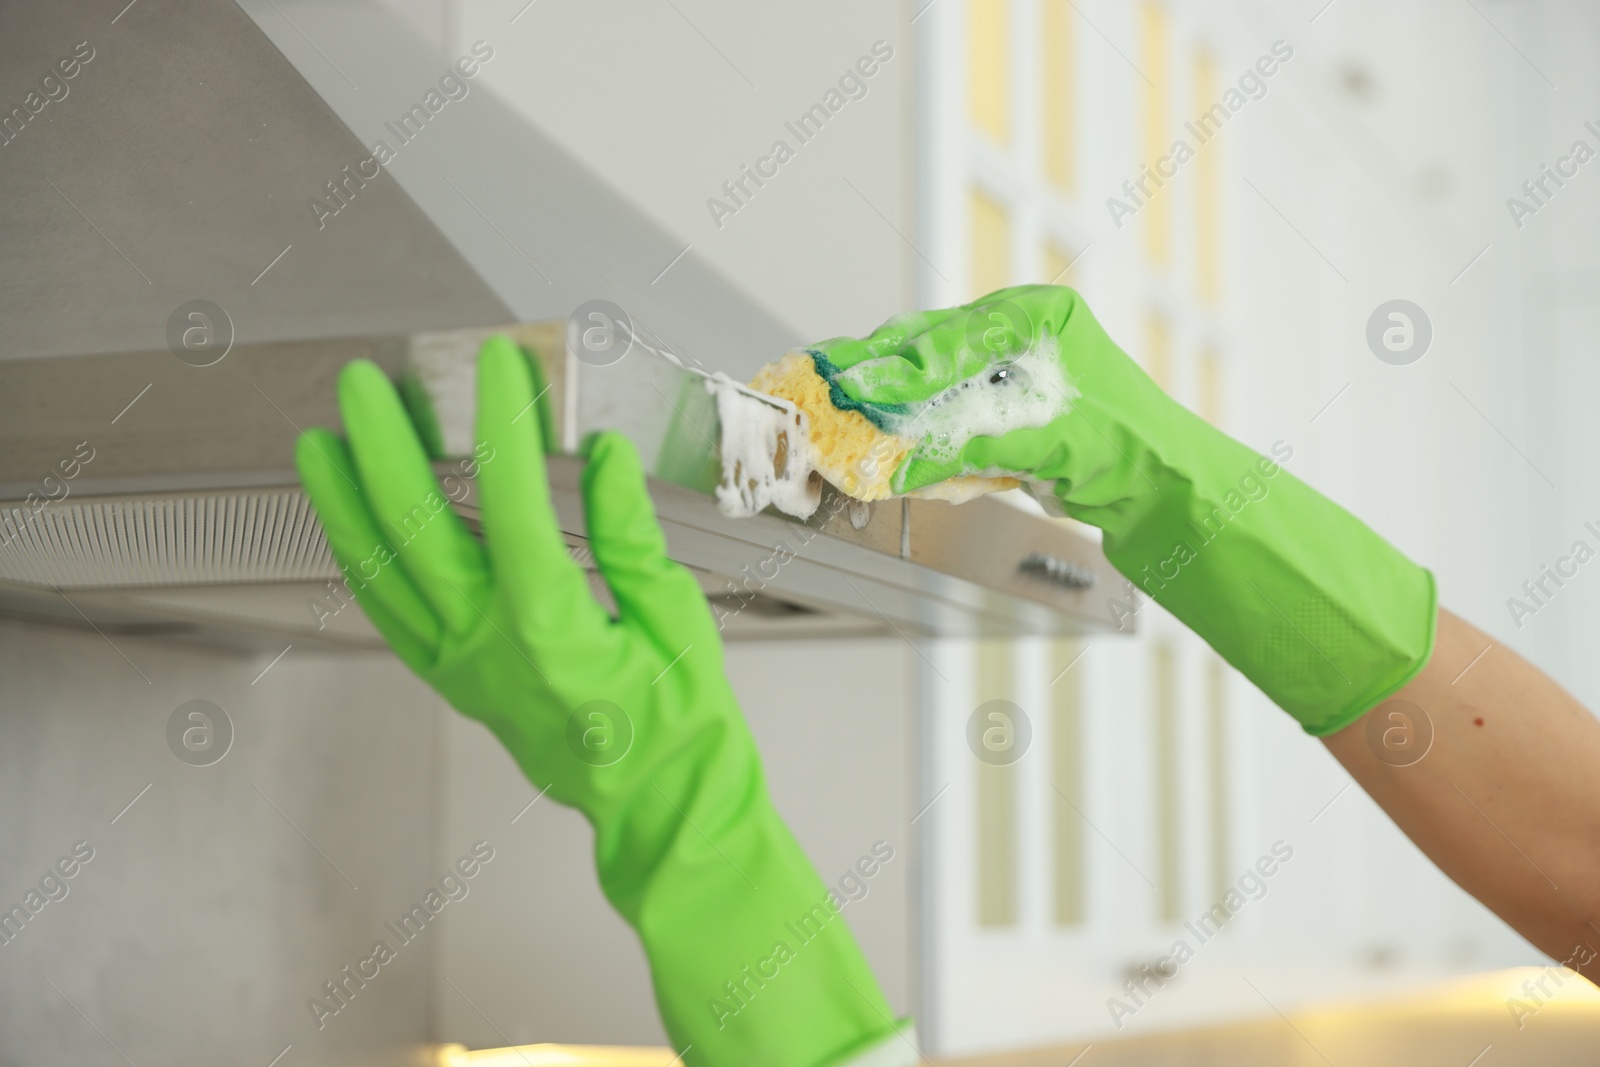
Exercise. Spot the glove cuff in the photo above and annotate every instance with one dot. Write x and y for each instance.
(898, 1049)
(1383, 688)
(1322, 614)
(752, 959)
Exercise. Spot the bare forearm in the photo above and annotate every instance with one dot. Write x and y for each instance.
(1502, 797)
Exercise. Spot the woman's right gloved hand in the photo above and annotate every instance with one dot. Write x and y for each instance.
(1304, 599)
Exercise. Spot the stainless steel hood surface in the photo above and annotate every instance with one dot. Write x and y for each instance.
(176, 167)
(182, 162)
(188, 508)
(161, 276)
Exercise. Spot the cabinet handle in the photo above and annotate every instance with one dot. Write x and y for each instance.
(1054, 569)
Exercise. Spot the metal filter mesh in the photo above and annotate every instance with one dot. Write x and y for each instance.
(205, 538)
(245, 557)
(208, 538)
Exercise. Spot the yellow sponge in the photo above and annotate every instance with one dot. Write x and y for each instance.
(849, 449)
(846, 447)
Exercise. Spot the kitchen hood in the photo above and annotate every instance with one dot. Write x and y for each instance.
(175, 315)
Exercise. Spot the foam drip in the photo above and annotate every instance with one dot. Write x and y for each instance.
(767, 457)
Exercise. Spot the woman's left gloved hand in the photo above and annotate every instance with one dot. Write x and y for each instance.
(631, 720)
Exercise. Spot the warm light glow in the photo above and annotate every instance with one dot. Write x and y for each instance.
(1496, 987)
(1488, 993)
(557, 1056)
(1471, 996)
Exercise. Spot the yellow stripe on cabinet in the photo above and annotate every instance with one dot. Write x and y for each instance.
(1058, 104)
(991, 244)
(989, 67)
(1155, 33)
(997, 843)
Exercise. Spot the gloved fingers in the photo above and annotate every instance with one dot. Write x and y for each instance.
(952, 350)
(887, 340)
(1047, 307)
(548, 591)
(424, 419)
(1026, 453)
(381, 586)
(908, 378)
(446, 564)
(651, 590)
(918, 472)
(994, 330)
(916, 357)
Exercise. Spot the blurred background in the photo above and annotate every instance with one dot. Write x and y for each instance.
(1339, 156)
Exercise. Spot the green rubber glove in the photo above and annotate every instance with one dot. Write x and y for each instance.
(1322, 614)
(630, 720)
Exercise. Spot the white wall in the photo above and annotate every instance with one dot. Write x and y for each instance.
(667, 101)
(226, 895)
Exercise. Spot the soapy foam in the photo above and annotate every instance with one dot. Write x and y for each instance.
(767, 458)
(1024, 392)
(847, 445)
(860, 447)
(965, 487)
